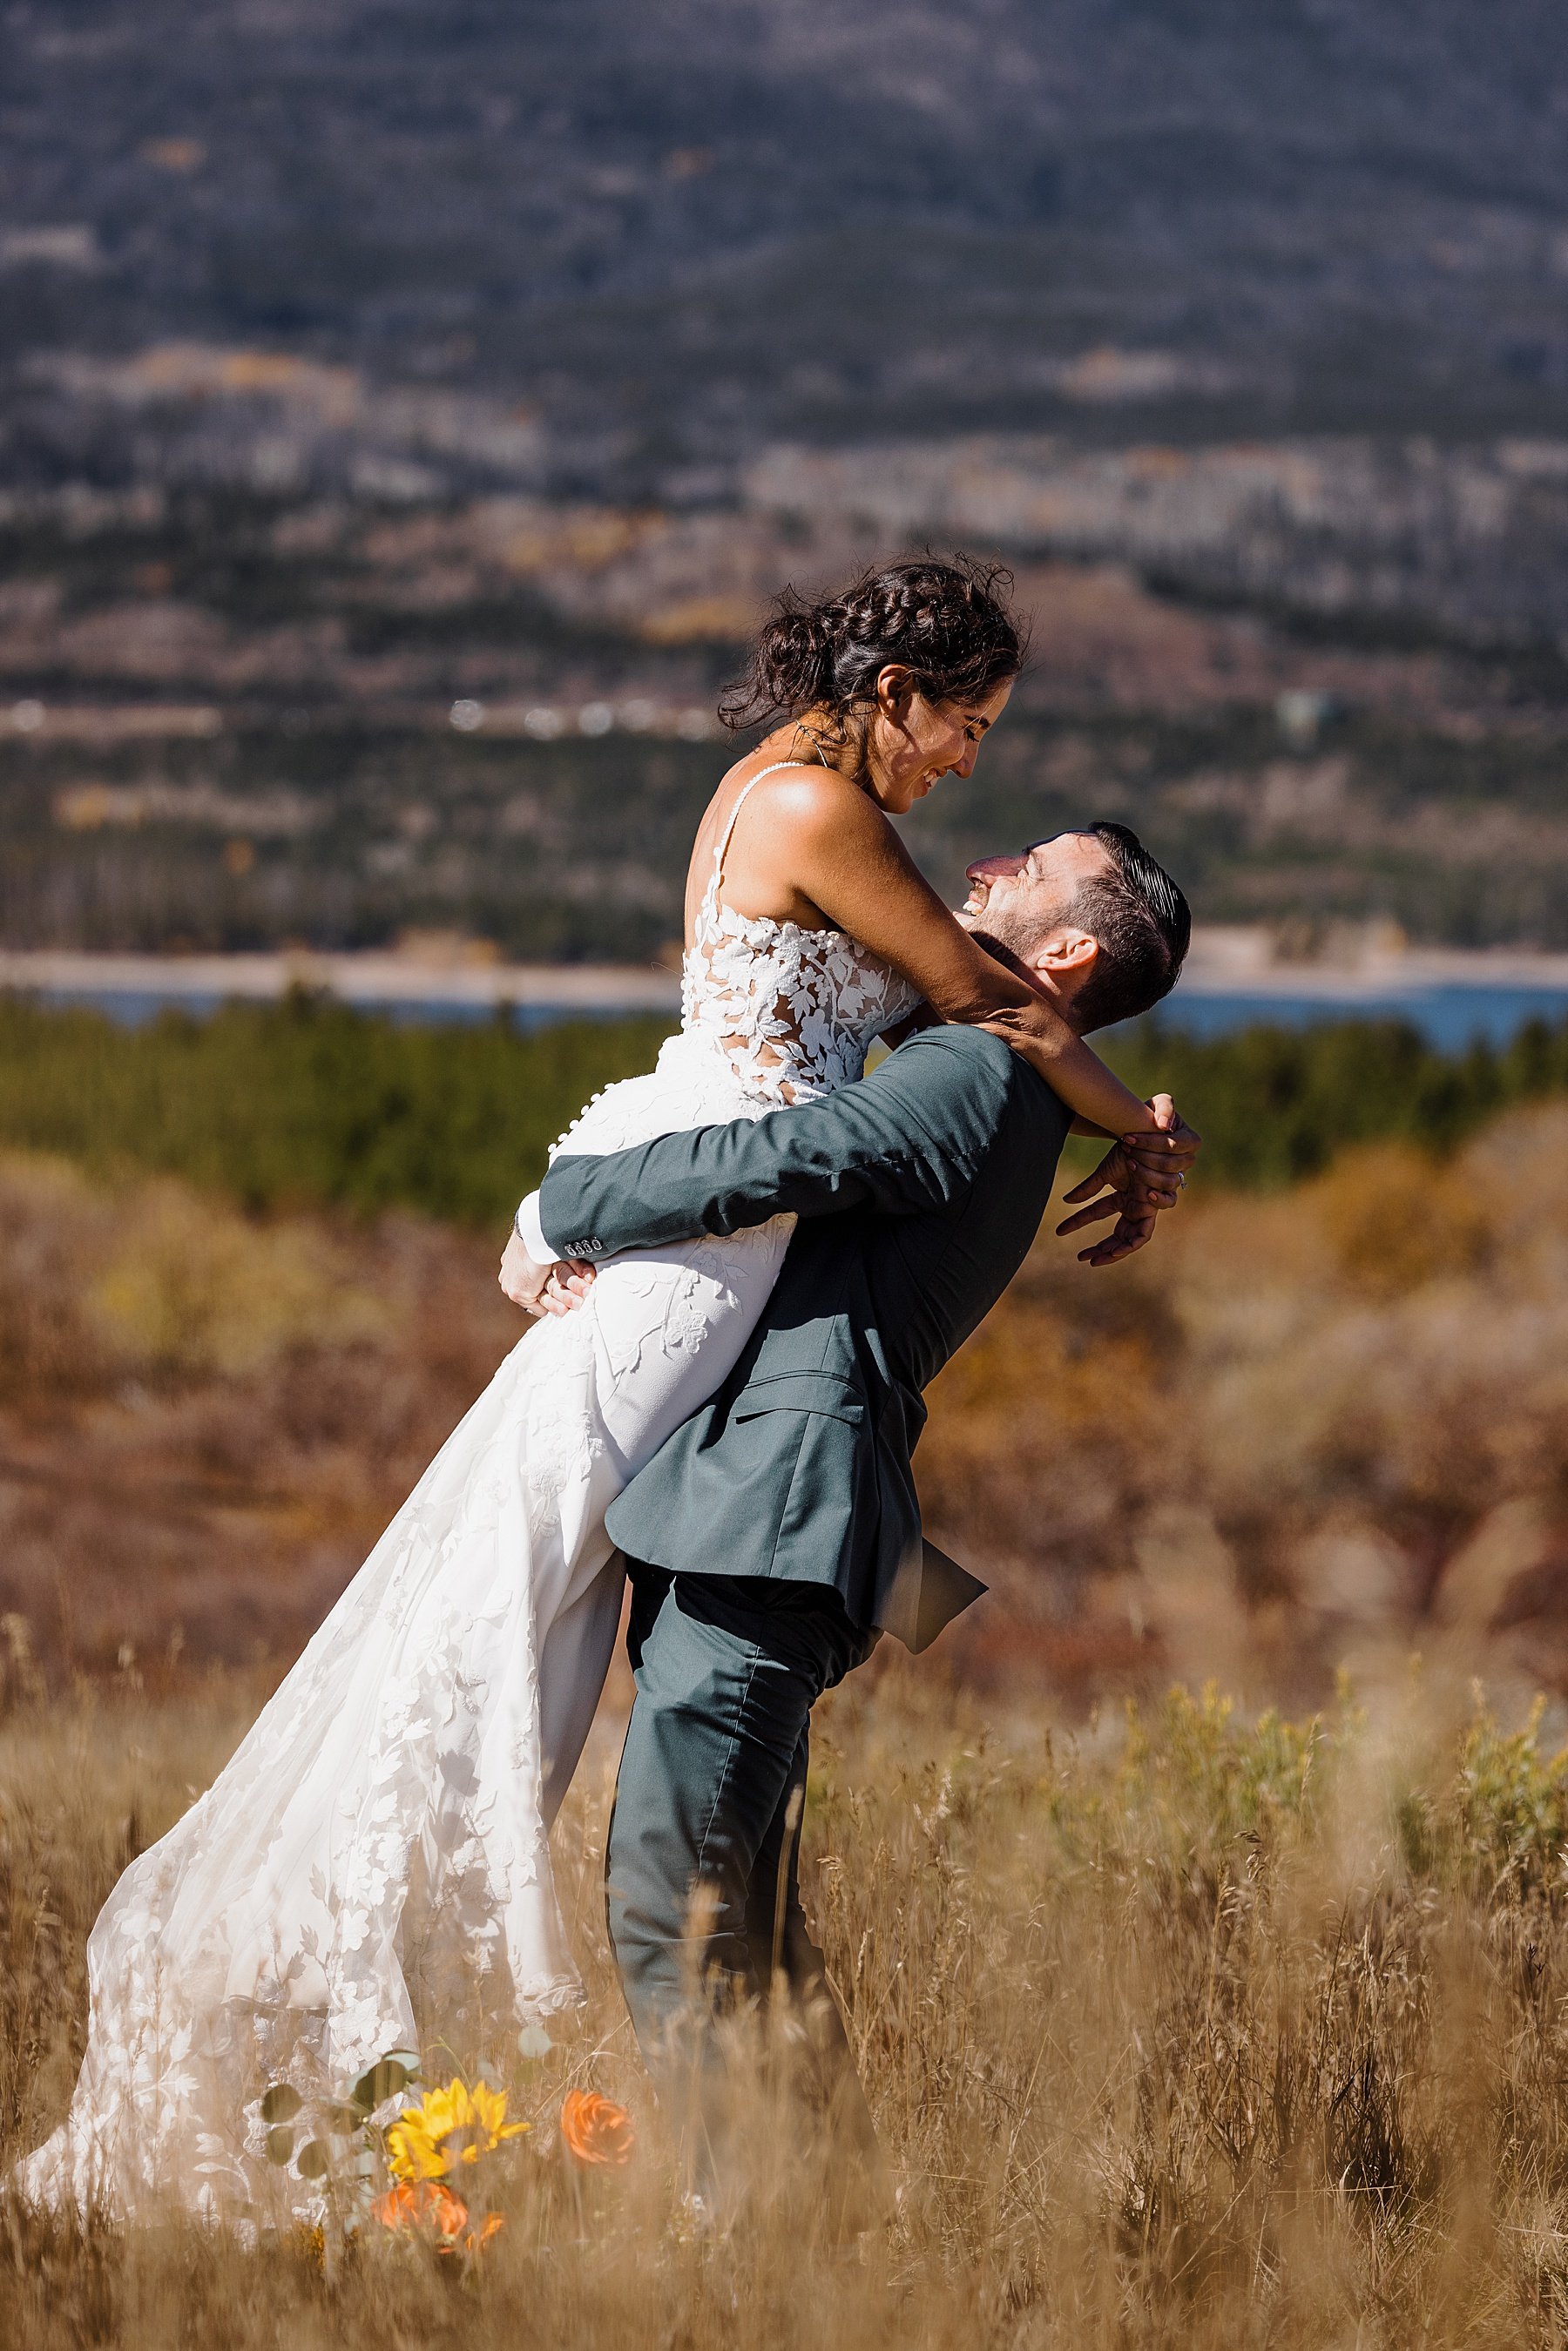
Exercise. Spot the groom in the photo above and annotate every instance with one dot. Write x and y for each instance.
(777, 1534)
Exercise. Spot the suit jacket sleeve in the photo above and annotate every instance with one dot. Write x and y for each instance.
(905, 1140)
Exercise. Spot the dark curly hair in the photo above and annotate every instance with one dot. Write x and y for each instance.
(1144, 924)
(945, 620)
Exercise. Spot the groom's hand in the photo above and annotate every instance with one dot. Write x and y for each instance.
(556, 1289)
(1138, 1177)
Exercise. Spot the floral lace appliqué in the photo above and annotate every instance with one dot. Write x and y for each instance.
(794, 1011)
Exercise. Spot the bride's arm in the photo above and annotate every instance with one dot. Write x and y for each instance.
(840, 851)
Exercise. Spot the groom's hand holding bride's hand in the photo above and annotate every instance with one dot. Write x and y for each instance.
(1138, 1177)
(555, 1288)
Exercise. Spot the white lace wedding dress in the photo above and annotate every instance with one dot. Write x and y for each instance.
(371, 1870)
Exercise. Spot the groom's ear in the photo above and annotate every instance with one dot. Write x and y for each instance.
(1067, 954)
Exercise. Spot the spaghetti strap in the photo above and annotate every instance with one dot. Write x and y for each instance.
(710, 895)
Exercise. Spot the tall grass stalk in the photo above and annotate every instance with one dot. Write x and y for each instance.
(1196, 2030)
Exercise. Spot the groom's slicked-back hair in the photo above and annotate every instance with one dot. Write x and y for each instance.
(1143, 924)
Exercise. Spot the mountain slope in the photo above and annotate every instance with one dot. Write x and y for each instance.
(680, 233)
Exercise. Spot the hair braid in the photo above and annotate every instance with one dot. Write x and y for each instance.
(945, 620)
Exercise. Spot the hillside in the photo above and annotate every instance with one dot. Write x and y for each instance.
(228, 722)
(678, 234)
(365, 364)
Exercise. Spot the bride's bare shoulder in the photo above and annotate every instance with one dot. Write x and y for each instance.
(800, 820)
(804, 797)
(785, 800)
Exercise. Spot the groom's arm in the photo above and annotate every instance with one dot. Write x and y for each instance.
(906, 1140)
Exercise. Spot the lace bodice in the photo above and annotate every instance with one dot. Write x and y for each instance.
(793, 1011)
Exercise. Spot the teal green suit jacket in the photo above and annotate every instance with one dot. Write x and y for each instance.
(919, 1193)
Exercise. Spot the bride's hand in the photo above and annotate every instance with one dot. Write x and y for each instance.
(556, 1289)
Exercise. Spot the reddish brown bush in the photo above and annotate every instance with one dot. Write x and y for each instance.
(1325, 1425)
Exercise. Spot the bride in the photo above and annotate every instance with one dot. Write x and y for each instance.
(371, 1868)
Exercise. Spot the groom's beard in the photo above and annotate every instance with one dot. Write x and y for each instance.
(1011, 941)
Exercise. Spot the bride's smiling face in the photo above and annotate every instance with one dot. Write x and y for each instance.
(910, 743)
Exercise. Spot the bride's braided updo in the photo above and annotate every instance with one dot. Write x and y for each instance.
(947, 623)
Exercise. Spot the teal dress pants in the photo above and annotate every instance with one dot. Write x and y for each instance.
(703, 1887)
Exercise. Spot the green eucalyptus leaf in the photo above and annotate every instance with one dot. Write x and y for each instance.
(279, 2145)
(535, 2041)
(314, 2160)
(281, 2104)
(342, 2120)
(384, 2080)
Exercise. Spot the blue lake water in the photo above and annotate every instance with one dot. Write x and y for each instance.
(1449, 1017)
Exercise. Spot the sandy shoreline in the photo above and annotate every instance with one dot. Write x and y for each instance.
(367, 978)
(1223, 962)
(1237, 961)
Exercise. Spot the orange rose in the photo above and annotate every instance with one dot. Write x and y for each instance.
(424, 2206)
(596, 2129)
(427, 2208)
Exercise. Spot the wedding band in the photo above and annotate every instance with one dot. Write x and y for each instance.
(1181, 1181)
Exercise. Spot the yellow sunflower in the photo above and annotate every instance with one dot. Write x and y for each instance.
(458, 2125)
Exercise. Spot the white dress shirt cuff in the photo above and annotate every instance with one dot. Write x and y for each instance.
(531, 1232)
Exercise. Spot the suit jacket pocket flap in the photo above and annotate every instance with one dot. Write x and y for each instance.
(824, 1392)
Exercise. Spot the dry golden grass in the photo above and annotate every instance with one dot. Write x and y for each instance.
(1190, 2032)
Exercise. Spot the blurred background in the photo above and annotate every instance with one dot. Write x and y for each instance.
(404, 415)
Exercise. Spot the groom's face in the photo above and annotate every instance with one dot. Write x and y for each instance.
(1017, 899)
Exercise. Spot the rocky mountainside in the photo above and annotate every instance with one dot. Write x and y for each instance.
(675, 235)
(405, 412)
